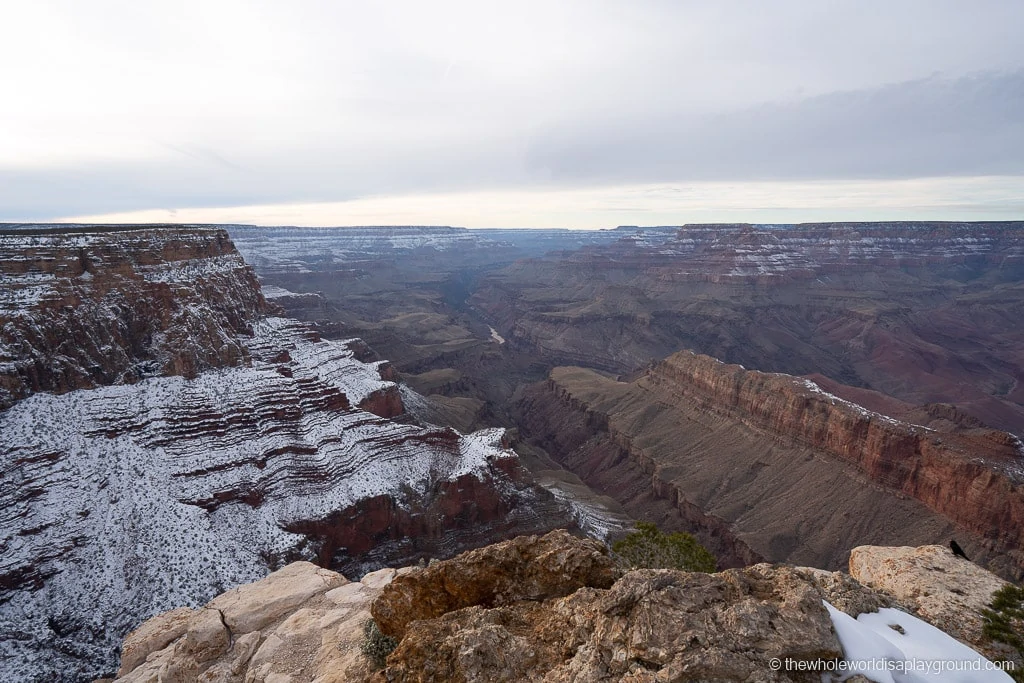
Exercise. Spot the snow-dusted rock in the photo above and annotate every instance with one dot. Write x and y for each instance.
(191, 445)
(120, 502)
(946, 590)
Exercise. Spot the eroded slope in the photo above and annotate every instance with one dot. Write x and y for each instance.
(776, 464)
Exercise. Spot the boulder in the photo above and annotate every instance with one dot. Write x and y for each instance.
(301, 623)
(945, 590)
(154, 634)
(253, 606)
(524, 568)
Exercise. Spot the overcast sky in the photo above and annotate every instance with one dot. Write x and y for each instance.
(554, 114)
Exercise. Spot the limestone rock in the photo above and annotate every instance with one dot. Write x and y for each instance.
(651, 625)
(301, 623)
(947, 591)
(524, 568)
(155, 634)
(252, 606)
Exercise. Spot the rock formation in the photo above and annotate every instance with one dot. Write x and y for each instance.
(301, 623)
(525, 568)
(947, 591)
(89, 307)
(149, 492)
(776, 464)
(542, 608)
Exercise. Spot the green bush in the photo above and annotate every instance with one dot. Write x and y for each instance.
(649, 548)
(1004, 622)
(376, 646)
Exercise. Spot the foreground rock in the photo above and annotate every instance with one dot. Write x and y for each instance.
(550, 608)
(301, 623)
(534, 607)
(651, 625)
(947, 591)
(526, 568)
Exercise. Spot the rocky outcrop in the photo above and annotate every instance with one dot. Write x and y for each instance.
(301, 623)
(796, 473)
(525, 568)
(550, 608)
(651, 625)
(924, 312)
(945, 590)
(89, 307)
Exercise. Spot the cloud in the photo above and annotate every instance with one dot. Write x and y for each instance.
(113, 106)
(981, 198)
(928, 127)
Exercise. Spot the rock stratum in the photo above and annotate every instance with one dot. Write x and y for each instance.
(552, 608)
(923, 312)
(88, 307)
(771, 466)
(125, 494)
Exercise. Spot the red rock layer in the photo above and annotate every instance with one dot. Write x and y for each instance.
(81, 308)
(973, 480)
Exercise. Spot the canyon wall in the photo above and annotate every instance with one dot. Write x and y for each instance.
(795, 473)
(88, 307)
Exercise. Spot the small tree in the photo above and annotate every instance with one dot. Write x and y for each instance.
(376, 646)
(649, 548)
(1004, 622)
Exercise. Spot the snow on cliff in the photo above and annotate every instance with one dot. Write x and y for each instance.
(119, 502)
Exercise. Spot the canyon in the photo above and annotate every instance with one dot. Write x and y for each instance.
(214, 443)
(772, 466)
(922, 312)
(593, 354)
(185, 409)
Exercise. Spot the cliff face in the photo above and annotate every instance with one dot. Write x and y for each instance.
(976, 480)
(793, 472)
(94, 307)
(924, 312)
(123, 500)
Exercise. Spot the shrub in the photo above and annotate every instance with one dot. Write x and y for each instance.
(376, 646)
(650, 548)
(1004, 623)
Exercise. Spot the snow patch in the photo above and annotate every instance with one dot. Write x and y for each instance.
(890, 646)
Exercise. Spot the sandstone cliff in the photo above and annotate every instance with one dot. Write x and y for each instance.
(779, 465)
(551, 608)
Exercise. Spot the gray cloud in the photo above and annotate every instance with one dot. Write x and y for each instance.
(202, 104)
(928, 127)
